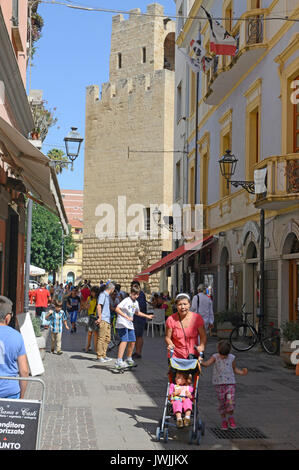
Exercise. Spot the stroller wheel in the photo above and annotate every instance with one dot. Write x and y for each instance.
(198, 438)
(158, 434)
(166, 435)
(192, 436)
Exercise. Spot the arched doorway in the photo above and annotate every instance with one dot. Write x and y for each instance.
(291, 255)
(224, 280)
(169, 52)
(71, 277)
(252, 281)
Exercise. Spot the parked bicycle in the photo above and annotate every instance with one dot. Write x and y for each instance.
(245, 336)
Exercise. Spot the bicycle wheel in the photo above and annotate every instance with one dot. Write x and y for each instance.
(270, 344)
(243, 337)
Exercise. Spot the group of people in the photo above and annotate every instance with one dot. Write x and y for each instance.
(108, 307)
(186, 338)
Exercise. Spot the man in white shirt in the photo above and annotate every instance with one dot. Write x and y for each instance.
(202, 304)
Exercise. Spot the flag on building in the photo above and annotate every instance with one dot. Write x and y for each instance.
(198, 61)
(221, 42)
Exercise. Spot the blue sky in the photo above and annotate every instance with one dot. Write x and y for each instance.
(73, 53)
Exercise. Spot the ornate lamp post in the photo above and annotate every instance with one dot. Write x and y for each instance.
(73, 143)
(228, 163)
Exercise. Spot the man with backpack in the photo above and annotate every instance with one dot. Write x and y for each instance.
(203, 305)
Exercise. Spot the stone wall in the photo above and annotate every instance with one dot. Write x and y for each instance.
(128, 144)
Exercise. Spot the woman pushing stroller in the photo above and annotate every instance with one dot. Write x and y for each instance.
(183, 329)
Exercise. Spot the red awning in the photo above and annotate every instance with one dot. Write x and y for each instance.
(174, 257)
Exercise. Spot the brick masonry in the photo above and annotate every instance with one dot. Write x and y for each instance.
(135, 110)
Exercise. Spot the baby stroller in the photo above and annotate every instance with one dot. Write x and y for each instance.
(197, 427)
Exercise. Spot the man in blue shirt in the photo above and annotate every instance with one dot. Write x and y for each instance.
(13, 359)
(103, 320)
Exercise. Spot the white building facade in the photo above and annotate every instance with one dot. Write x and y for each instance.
(247, 104)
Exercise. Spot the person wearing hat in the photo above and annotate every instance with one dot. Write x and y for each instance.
(203, 305)
(13, 359)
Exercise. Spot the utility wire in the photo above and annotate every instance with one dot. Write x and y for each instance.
(107, 10)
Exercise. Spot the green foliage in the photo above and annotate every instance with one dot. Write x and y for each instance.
(36, 326)
(56, 154)
(290, 331)
(47, 239)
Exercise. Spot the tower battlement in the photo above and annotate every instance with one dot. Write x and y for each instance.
(122, 89)
(138, 43)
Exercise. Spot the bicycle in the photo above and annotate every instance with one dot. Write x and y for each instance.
(245, 336)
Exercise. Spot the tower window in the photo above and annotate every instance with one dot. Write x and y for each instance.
(119, 60)
(144, 55)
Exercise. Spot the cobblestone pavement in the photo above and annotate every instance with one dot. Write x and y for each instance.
(89, 406)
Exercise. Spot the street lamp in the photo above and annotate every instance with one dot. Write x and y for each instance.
(73, 143)
(168, 221)
(228, 163)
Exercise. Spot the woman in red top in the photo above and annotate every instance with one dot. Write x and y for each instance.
(183, 329)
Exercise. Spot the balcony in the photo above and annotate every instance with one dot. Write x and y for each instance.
(282, 182)
(227, 70)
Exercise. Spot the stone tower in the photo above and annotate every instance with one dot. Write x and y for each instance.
(131, 120)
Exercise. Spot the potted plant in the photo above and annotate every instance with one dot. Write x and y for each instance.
(41, 342)
(290, 333)
(226, 322)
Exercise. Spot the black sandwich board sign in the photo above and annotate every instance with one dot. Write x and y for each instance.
(20, 421)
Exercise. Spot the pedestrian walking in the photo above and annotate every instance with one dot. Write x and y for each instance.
(57, 318)
(13, 359)
(203, 305)
(224, 381)
(139, 322)
(104, 323)
(93, 328)
(73, 307)
(42, 299)
(84, 294)
(126, 310)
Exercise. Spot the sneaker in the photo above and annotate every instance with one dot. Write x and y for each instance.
(224, 425)
(107, 359)
(130, 362)
(120, 364)
(187, 422)
(179, 423)
(59, 353)
(231, 423)
(102, 360)
(136, 356)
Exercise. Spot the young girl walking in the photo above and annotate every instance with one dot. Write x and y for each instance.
(225, 383)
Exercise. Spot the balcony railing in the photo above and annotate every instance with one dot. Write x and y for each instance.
(282, 182)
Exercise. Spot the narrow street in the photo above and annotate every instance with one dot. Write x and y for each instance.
(89, 406)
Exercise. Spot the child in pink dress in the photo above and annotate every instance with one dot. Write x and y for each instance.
(181, 397)
(224, 380)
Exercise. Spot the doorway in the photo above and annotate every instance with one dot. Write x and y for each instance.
(293, 290)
